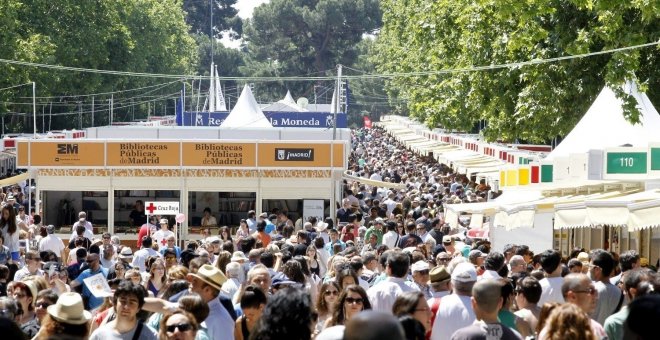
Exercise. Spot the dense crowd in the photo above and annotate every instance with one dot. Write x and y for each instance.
(385, 267)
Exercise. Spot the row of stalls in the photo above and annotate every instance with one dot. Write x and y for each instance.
(598, 189)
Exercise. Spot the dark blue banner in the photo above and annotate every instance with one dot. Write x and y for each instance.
(277, 119)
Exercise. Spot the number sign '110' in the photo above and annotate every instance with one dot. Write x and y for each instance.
(626, 163)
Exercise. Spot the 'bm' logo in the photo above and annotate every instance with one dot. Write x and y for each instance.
(67, 149)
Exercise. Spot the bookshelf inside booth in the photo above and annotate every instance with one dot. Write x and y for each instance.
(228, 208)
(61, 208)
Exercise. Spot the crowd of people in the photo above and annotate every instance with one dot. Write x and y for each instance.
(386, 266)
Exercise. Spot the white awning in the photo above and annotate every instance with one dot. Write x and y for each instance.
(615, 211)
(644, 215)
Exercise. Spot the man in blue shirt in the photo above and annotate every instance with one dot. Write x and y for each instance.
(334, 239)
(94, 264)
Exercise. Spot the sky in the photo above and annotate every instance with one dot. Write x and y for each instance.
(245, 9)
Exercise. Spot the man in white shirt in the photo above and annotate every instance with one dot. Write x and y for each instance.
(455, 311)
(160, 236)
(82, 219)
(390, 202)
(88, 230)
(52, 243)
(391, 238)
(551, 284)
(492, 264)
(233, 284)
(140, 257)
(383, 294)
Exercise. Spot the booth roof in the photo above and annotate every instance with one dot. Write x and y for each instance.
(604, 126)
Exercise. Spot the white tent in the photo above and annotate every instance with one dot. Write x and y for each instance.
(286, 105)
(246, 113)
(604, 126)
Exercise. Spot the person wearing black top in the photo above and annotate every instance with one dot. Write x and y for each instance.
(411, 239)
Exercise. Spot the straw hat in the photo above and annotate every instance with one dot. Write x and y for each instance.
(70, 309)
(239, 256)
(211, 276)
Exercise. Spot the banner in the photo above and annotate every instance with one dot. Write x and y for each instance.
(276, 118)
(190, 154)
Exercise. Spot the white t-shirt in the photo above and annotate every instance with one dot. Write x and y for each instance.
(551, 290)
(53, 243)
(160, 237)
(454, 313)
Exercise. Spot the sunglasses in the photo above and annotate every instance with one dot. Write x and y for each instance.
(352, 301)
(331, 292)
(43, 305)
(183, 327)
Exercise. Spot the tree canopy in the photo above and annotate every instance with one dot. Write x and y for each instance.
(535, 102)
(305, 37)
(148, 36)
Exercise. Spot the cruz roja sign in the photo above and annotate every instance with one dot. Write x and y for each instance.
(161, 208)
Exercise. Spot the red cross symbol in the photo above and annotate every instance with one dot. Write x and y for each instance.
(151, 208)
(163, 241)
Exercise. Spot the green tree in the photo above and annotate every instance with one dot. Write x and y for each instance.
(148, 36)
(198, 16)
(305, 37)
(367, 96)
(535, 102)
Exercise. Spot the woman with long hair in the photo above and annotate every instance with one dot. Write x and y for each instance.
(67, 318)
(353, 299)
(546, 309)
(253, 302)
(157, 276)
(222, 260)
(346, 277)
(313, 263)
(568, 321)
(242, 233)
(325, 304)
(25, 293)
(415, 305)
(10, 231)
(225, 234)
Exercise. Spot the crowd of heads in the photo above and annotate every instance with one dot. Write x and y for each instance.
(385, 266)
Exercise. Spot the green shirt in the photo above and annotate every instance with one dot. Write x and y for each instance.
(507, 319)
(614, 324)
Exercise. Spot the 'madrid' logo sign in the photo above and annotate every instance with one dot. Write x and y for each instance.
(294, 155)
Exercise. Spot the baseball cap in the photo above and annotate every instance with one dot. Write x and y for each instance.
(164, 221)
(379, 220)
(447, 239)
(464, 272)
